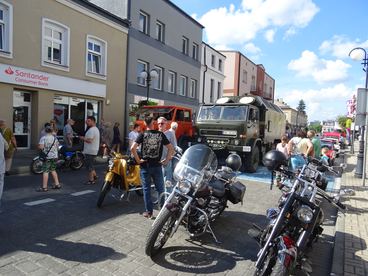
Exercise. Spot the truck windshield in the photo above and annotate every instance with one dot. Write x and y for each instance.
(155, 113)
(218, 112)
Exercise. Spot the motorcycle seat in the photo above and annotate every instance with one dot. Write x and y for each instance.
(71, 149)
(217, 187)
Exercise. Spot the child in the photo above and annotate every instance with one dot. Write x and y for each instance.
(324, 158)
(282, 147)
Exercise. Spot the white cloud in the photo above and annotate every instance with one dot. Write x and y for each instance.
(252, 49)
(238, 25)
(340, 46)
(321, 70)
(325, 103)
(270, 35)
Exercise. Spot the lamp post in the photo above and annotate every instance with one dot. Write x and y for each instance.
(361, 158)
(148, 77)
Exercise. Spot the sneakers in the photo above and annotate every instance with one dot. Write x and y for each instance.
(147, 215)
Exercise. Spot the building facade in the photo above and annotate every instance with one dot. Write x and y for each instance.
(294, 119)
(58, 61)
(244, 77)
(212, 74)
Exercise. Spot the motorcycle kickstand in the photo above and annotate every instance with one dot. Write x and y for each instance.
(213, 234)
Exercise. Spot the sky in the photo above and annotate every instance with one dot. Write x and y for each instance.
(303, 44)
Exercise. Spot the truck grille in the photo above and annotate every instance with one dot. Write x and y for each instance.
(214, 132)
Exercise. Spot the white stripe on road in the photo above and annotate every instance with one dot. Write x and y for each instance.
(38, 202)
(83, 192)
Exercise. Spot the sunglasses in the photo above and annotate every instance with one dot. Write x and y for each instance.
(161, 123)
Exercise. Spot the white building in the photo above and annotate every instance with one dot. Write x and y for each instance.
(212, 74)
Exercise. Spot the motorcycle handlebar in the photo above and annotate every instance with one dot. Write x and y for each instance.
(330, 199)
(320, 163)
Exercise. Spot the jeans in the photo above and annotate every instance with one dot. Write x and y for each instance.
(1, 186)
(155, 173)
(297, 162)
(168, 175)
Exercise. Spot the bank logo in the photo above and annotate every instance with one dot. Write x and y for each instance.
(9, 71)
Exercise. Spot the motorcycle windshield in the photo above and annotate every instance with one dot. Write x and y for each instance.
(197, 163)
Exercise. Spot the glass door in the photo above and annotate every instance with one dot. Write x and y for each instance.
(22, 118)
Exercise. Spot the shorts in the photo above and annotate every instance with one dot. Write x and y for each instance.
(49, 165)
(90, 161)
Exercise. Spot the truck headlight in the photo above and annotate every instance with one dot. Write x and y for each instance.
(229, 132)
(184, 187)
(305, 214)
(236, 142)
(199, 139)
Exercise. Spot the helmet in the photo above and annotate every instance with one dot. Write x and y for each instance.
(233, 161)
(274, 159)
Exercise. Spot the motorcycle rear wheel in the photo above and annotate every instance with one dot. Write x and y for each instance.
(162, 227)
(36, 166)
(76, 162)
(104, 190)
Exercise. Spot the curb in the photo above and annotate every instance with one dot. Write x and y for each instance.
(337, 268)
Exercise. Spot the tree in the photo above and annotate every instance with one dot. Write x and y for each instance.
(301, 106)
(316, 127)
(341, 120)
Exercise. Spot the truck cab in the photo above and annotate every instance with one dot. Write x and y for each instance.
(246, 125)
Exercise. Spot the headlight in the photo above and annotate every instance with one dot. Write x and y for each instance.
(184, 187)
(199, 140)
(305, 214)
(229, 132)
(236, 142)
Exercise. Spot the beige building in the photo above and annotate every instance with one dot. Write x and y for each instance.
(244, 77)
(294, 119)
(60, 59)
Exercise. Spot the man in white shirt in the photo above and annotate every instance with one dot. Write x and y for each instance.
(3, 146)
(133, 135)
(91, 146)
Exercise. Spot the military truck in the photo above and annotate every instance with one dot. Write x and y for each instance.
(248, 125)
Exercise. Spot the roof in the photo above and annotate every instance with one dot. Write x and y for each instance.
(184, 13)
(209, 46)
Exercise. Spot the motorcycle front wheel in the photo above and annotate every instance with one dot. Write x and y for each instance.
(104, 190)
(36, 166)
(160, 232)
(272, 267)
(76, 162)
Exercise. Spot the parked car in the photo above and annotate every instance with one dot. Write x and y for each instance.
(333, 145)
(336, 135)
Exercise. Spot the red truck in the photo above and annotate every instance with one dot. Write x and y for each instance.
(181, 115)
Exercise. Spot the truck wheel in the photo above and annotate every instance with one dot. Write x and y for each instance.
(252, 160)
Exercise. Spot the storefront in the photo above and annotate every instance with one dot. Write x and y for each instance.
(34, 98)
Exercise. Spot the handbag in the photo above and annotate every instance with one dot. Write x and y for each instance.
(42, 155)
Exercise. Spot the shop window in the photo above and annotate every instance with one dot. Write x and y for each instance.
(96, 57)
(6, 29)
(55, 44)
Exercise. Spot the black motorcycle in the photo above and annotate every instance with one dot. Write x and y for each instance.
(296, 223)
(198, 198)
(67, 158)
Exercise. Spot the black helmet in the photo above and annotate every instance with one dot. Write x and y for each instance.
(274, 159)
(233, 161)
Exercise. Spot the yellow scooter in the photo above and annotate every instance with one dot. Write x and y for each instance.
(122, 173)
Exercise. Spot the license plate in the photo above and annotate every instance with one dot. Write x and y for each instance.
(247, 148)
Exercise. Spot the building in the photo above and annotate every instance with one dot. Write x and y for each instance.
(58, 61)
(212, 74)
(294, 119)
(244, 77)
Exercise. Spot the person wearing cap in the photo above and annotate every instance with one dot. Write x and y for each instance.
(68, 133)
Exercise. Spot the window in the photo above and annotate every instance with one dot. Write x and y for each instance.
(220, 65)
(55, 40)
(213, 60)
(143, 22)
(265, 88)
(157, 82)
(96, 56)
(183, 86)
(245, 76)
(253, 84)
(212, 87)
(6, 29)
(218, 90)
(160, 31)
(185, 43)
(141, 66)
(172, 82)
(193, 88)
(195, 51)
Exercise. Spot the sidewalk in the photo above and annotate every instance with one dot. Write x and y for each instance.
(351, 237)
(22, 161)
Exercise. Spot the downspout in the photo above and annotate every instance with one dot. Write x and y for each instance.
(239, 75)
(204, 72)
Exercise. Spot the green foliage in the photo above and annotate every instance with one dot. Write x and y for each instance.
(145, 102)
(342, 121)
(301, 106)
(316, 127)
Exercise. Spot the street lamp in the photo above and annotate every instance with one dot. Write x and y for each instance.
(148, 77)
(361, 158)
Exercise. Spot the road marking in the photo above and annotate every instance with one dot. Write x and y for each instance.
(82, 192)
(38, 202)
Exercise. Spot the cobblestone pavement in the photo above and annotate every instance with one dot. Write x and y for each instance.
(62, 232)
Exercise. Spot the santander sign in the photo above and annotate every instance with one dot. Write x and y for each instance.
(28, 77)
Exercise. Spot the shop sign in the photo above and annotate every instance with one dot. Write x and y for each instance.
(32, 78)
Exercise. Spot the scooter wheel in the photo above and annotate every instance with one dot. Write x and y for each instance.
(104, 190)
(36, 166)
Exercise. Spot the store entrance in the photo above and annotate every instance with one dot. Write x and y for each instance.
(22, 118)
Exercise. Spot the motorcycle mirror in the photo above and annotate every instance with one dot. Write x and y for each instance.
(348, 192)
(343, 165)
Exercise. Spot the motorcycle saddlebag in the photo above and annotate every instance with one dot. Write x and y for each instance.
(237, 191)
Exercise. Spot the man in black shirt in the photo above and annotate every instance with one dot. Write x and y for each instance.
(152, 143)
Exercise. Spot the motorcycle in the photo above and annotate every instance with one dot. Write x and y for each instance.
(198, 198)
(67, 158)
(296, 223)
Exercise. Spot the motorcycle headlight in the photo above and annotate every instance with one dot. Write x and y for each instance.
(111, 163)
(305, 214)
(184, 187)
